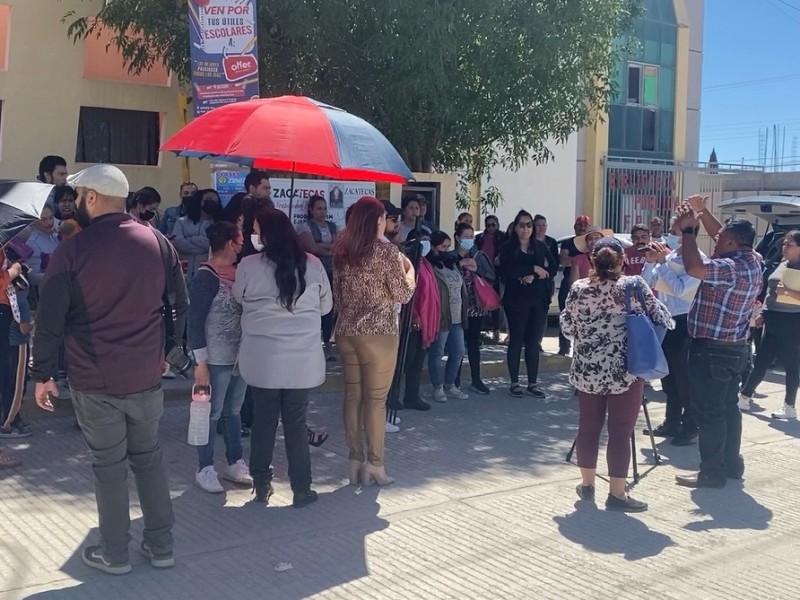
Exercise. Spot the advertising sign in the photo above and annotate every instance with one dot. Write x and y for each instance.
(224, 52)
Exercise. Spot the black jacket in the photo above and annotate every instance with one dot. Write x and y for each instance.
(515, 264)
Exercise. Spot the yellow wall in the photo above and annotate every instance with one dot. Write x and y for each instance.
(596, 148)
(681, 82)
(43, 89)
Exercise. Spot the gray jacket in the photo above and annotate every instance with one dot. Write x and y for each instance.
(281, 349)
(215, 319)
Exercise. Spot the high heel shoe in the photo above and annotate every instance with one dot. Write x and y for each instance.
(376, 474)
(356, 471)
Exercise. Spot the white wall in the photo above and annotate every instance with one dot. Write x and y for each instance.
(549, 189)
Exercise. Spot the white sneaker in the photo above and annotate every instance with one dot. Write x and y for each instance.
(396, 421)
(744, 402)
(438, 395)
(391, 428)
(207, 480)
(238, 472)
(454, 392)
(785, 412)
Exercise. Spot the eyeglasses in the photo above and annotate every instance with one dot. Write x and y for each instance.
(525, 224)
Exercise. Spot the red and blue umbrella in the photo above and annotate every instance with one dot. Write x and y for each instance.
(292, 133)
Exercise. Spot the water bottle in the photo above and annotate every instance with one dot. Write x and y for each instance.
(199, 413)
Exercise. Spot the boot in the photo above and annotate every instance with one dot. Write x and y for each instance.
(376, 474)
(356, 471)
(263, 491)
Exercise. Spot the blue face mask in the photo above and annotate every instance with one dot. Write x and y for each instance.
(425, 245)
(466, 243)
(673, 241)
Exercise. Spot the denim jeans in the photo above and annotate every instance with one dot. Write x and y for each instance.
(452, 342)
(291, 407)
(714, 375)
(122, 431)
(227, 397)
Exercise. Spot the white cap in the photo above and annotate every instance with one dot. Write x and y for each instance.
(107, 180)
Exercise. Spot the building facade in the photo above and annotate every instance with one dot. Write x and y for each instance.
(630, 167)
(76, 100)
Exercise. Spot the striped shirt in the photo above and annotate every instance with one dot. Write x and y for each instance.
(724, 302)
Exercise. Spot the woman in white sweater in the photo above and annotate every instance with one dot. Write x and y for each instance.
(284, 293)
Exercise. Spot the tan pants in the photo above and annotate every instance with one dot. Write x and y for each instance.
(368, 362)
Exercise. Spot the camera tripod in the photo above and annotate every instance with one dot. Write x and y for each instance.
(656, 455)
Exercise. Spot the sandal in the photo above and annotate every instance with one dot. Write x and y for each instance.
(516, 390)
(316, 438)
(9, 461)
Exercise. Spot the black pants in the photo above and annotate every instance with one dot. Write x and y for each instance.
(328, 322)
(291, 406)
(526, 323)
(472, 338)
(714, 378)
(415, 359)
(563, 290)
(5, 349)
(676, 384)
(781, 340)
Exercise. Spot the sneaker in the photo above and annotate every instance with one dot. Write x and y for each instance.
(391, 428)
(301, 499)
(92, 556)
(438, 395)
(208, 481)
(585, 492)
(396, 421)
(626, 505)
(417, 404)
(161, 560)
(480, 388)
(785, 412)
(534, 391)
(238, 472)
(666, 429)
(744, 402)
(453, 392)
(13, 432)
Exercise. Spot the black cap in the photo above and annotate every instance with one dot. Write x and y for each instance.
(391, 209)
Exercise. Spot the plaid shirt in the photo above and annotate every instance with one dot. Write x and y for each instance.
(724, 302)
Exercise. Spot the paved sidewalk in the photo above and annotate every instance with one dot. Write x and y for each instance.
(483, 507)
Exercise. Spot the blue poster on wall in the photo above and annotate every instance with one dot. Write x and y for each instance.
(224, 52)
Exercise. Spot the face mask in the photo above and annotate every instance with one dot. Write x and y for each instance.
(467, 243)
(210, 207)
(425, 245)
(147, 215)
(673, 241)
(255, 239)
(82, 215)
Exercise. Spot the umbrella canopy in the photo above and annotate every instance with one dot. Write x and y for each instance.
(292, 133)
(21, 203)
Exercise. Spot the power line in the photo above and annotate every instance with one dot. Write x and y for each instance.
(792, 6)
(747, 83)
(783, 12)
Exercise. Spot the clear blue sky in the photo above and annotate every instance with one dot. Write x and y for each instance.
(745, 43)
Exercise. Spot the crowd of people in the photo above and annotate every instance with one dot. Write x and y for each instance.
(244, 288)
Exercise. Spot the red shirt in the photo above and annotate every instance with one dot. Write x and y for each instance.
(634, 261)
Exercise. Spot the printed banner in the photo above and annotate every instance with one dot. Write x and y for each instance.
(340, 195)
(224, 52)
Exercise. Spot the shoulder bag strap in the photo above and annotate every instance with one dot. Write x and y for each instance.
(166, 257)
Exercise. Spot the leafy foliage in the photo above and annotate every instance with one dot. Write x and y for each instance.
(454, 84)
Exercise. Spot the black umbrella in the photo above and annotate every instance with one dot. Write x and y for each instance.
(21, 203)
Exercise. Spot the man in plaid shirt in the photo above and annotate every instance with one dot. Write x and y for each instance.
(718, 323)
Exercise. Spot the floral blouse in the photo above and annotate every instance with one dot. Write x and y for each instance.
(594, 317)
(366, 296)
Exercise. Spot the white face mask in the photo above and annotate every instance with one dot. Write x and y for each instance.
(425, 246)
(673, 241)
(467, 243)
(255, 239)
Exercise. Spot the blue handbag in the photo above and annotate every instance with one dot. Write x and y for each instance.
(645, 357)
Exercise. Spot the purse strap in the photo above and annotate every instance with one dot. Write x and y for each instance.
(630, 289)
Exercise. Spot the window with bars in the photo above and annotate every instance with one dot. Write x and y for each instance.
(109, 135)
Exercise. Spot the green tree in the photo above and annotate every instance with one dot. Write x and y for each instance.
(455, 85)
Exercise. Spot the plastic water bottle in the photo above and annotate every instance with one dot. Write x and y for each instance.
(199, 413)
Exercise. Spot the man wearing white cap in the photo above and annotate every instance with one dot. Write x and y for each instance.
(102, 298)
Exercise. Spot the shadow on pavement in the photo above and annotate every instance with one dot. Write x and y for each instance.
(607, 532)
(728, 508)
(251, 551)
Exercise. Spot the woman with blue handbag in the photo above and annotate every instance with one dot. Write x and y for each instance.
(595, 319)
